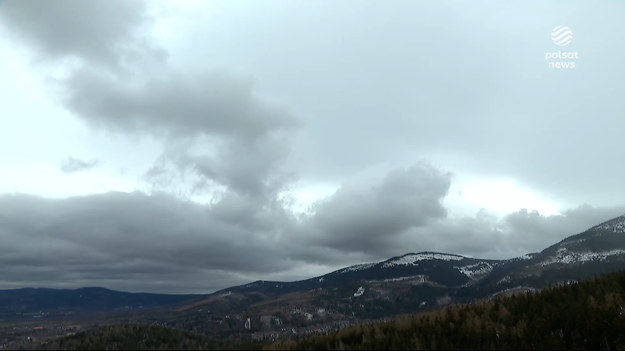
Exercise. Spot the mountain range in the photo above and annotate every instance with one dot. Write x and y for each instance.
(402, 284)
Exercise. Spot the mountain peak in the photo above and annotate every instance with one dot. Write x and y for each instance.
(411, 258)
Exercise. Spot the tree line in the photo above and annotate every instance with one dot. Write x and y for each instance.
(583, 315)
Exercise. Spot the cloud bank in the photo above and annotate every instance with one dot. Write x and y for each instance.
(223, 138)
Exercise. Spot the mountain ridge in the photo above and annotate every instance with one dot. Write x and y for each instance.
(424, 276)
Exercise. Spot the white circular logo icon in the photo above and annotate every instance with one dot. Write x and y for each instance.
(562, 35)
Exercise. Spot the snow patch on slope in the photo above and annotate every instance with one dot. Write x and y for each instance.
(355, 268)
(564, 256)
(617, 225)
(411, 259)
(418, 279)
(524, 257)
(476, 270)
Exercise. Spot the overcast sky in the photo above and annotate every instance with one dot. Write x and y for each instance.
(194, 145)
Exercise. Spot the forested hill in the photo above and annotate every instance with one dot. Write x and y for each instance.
(138, 337)
(583, 315)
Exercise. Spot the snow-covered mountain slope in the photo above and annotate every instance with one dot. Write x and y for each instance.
(477, 270)
(616, 225)
(564, 256)
(412, 259)
(414, 280)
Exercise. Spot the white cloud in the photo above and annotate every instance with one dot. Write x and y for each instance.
(499, 196)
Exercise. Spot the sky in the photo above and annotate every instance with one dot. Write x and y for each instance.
(185, 147)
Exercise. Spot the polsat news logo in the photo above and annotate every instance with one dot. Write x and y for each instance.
(561, 36)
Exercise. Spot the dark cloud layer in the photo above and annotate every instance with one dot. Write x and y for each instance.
(369, 219)
(161, 243)
(115, 235)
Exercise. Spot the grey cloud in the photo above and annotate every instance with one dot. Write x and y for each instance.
(248, 138)
(436, 94)
(175, 105)
(120, 236)
(463, 86)
(138, 242)
(531, 228)
(100, 31)
(160, 243)
(369, 220)
(255, 169)
(249, 135)
(73, 165)
(518, 233)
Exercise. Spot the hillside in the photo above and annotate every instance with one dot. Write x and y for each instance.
(583, 315)
(134, 337)
(41, 302)
(419, 281)
(274, 310)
